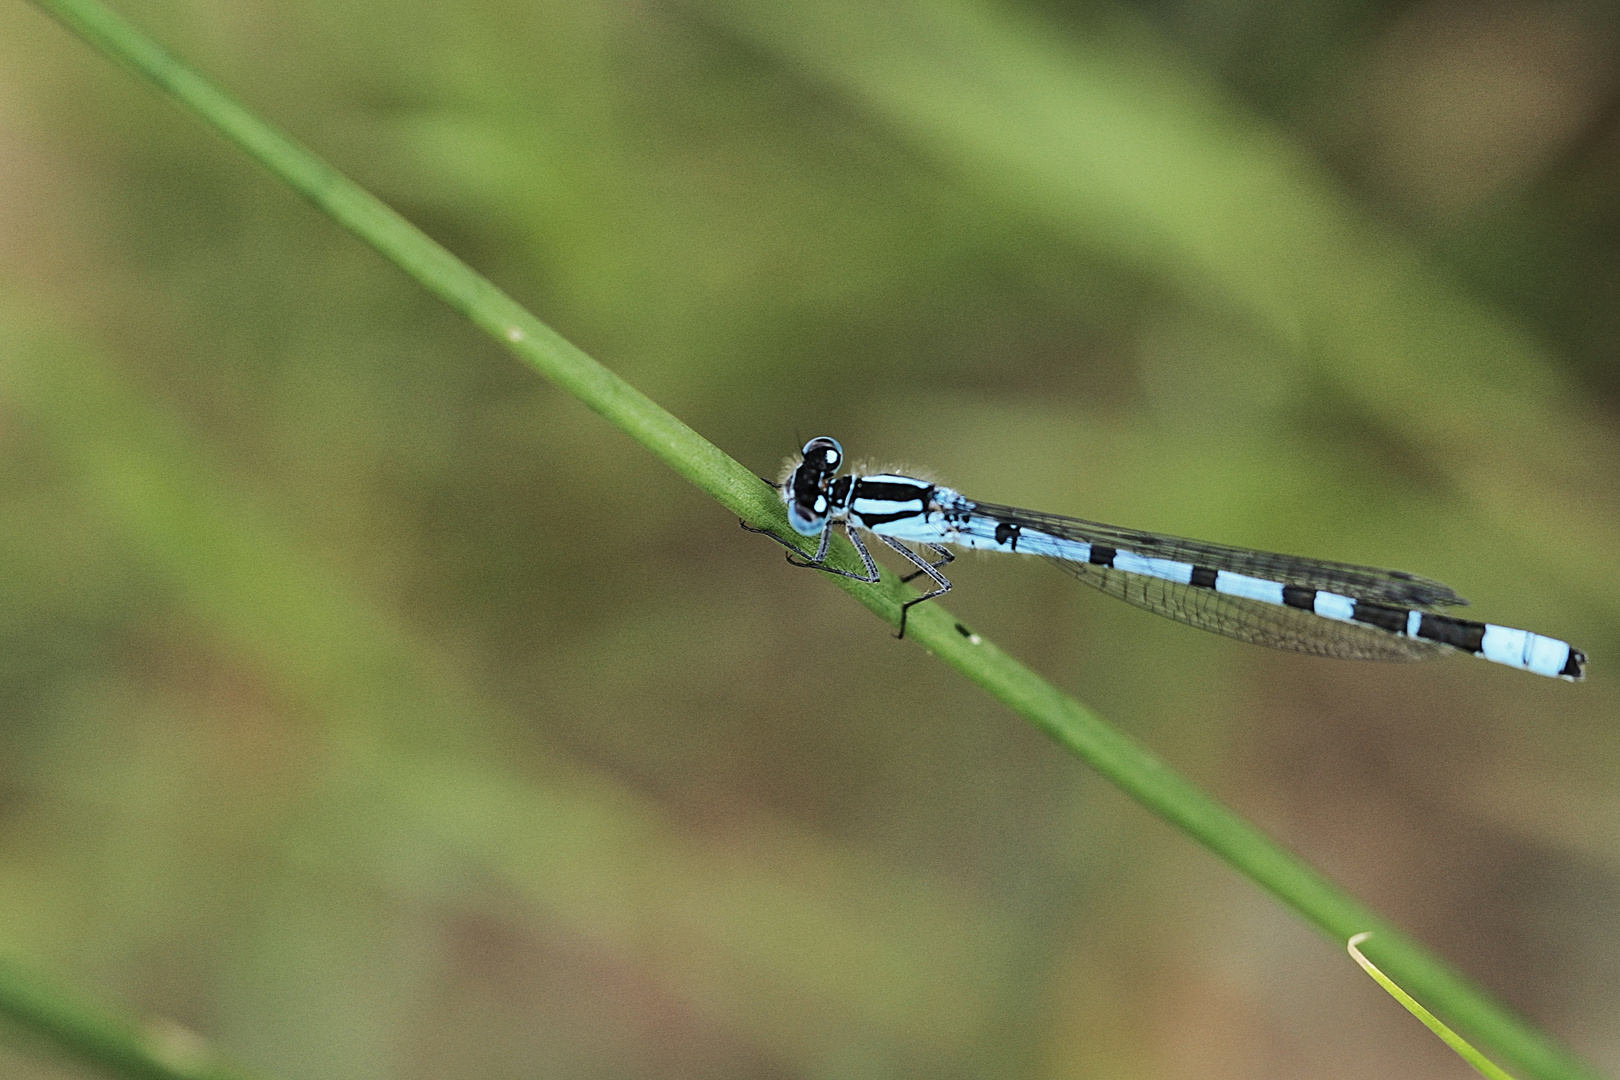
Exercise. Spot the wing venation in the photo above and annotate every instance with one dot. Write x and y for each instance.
(1254, 621)
(1359, 582)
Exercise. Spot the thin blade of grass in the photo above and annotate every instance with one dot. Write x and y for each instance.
(1484, 1065)
(157, 1051)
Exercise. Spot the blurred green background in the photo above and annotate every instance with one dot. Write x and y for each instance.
(372, 708)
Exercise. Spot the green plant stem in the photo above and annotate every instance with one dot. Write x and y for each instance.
(1482, 1064)
(1140, 774)
(94, 1034)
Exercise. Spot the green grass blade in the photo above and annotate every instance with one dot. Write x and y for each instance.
(100, 1036)
(1484, 1065)
(1131, 767)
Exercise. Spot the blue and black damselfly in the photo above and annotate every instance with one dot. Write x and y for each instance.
(1286, 602)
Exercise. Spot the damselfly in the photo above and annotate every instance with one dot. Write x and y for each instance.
(1286, 602)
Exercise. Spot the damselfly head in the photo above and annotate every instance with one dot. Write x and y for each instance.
(808, 487)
